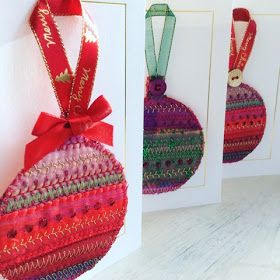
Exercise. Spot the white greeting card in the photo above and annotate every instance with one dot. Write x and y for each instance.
(262, 72)
(26, 91)
(197, 76)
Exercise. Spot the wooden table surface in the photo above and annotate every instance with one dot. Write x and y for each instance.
(238, 239)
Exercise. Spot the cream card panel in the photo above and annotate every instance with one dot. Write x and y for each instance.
(262, 72)
(197, 76)
(26, 91)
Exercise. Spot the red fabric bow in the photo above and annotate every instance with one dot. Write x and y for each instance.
(52, 132)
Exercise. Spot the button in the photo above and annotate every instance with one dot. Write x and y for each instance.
(235, 78)
(156, 87)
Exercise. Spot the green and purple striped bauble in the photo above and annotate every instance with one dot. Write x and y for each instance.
(173, 144)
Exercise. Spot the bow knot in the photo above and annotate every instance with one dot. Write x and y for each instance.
(80, 124)
(52, 131)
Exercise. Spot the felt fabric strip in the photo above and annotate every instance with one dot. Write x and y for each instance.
(78, 227)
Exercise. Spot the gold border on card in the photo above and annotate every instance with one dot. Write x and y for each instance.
(212, 13)
(272, 137)
(123, 230)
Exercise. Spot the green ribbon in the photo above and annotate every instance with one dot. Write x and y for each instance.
(159, 68)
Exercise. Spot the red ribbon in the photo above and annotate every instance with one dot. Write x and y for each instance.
(239, 58)
(52, 132)
(72, 89)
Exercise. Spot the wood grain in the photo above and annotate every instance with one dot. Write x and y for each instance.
(237, 239)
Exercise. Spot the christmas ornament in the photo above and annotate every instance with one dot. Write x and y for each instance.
(173, 137)
(245, 110)
(64, 210)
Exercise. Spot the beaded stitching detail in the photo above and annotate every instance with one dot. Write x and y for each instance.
(68, 162)
(62, 231)
(45, 195)
(72, 271)
(173, 145)
(49, 260)
(167, 174)
(245, 122)
(52, 186)
(168, 108)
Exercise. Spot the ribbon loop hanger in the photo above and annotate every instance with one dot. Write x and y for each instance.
(73, 91)
(239, 58)
(66, 7)
(158, 68)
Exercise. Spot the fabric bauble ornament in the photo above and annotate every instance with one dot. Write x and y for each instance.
(64, 210)
(245, 109)
(62, 215)
(173, 136)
